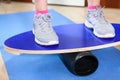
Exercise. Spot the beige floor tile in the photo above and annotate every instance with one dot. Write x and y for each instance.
(2, 11)
(77, 14)
(3, 71)
(112, 15)
(14, 7)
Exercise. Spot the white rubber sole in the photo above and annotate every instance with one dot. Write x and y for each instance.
(104, 36)
(89, 25)
(45, 44)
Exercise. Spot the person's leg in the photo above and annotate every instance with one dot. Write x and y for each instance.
(42, 29)
(93, 2)
(96, 20)
(41, 6)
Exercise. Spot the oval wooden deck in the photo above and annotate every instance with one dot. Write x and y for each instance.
(72, 38)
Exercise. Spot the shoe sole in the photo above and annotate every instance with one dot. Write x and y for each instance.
(45, 44)
(88, 24)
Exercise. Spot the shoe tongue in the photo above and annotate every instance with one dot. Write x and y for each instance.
(45, 17)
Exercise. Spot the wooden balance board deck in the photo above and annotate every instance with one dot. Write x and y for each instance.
(72, 38)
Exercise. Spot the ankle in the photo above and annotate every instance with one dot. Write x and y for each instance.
(41, 12)
(91, 8)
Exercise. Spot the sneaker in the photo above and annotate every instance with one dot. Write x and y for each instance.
(43, 31)
(101, 27)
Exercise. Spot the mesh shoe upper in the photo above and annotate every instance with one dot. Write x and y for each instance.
(43, 30)
(102, 28)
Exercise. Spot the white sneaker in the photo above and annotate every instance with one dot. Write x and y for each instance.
(43, 31)
(101, 27)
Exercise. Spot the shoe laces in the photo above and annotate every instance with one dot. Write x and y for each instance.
(98, 16)
(44, 22)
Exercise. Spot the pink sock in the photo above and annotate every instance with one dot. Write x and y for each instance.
(41, 12)
(92, 7)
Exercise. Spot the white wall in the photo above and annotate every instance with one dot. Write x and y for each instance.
(67, 2)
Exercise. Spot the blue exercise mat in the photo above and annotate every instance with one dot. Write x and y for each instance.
(50, 67)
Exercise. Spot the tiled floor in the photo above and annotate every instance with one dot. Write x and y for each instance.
(76, 14)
